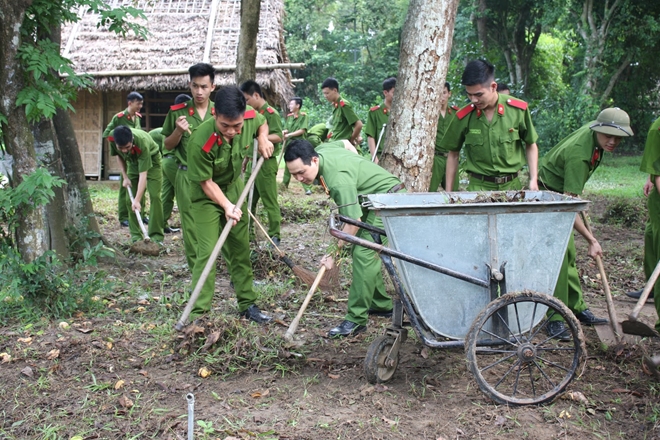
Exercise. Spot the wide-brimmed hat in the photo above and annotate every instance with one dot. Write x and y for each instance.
(612, 121)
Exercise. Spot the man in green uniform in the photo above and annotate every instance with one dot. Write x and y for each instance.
(345, 123)
(651, 165)
(295, 127)
(177, 128)
(377, 120)
(498, 134)
(317, 134)
(344, 175)
(440, 157)
(142, 154)
(215, 155)
(566, 169)
(131, 118)
(265, 186)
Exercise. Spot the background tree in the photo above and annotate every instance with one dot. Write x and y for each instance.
(246, 52)
(424, 60)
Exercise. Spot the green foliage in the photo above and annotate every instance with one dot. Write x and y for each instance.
(629, 213)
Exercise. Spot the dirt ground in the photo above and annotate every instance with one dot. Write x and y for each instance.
(125, 374)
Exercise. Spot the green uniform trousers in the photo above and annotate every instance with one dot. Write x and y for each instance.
(368, 288)
(170, 168)
(122, 209)
(439, 172)
(652, 246)
(182, 190)
(568, 288)
(482, 185)
(286, 179)
(156, 221)
(265, 187)
(210, 220)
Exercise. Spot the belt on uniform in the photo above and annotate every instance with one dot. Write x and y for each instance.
(183, 167)
(495, 179)
(396, 188)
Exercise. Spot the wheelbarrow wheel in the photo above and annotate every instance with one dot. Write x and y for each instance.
(511, 355)
(377, 369)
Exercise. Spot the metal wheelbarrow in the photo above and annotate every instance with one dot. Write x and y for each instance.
(478, 271)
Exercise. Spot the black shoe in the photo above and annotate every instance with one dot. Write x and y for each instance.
(124, 223)
(637, 293)
(381, 313)
(276, 240)
(346, 328)
(145, 220)
(169, 230)
(557, 330)
(254, 314)
(588, 318)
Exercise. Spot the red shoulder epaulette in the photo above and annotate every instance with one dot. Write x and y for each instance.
(213, 111)
(250, 114)
(342, 103)
(465, 111)
(138, 114)
(176, 107)
(270, 110)
(120, 114)
(290, 114)
(111, 139)
(455, 107)
(374, 108)
(209, 143)
(522, 105)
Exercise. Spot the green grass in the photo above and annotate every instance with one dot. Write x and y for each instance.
(617, 176)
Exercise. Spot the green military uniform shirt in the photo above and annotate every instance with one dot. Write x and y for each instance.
(569, 164)
(492, 148)
(651, 158)
(121, 118)
(346, 174)
(317, 134)
(274, 127)
(343, 120)
(188, 110)
(213, 157)
(443, 124)
(157, 135)
(296, 122)
(376, 119)
(143, 155)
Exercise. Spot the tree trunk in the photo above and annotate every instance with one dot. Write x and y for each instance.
(30, 234)
(246, 55)
(425, 50)
(482, 30)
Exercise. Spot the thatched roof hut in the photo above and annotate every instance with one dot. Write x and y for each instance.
(181, 33)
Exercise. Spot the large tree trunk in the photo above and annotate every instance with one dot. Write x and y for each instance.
(246, 56)
(30, 234)
(423, 63)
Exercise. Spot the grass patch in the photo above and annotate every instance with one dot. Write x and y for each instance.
(617, 176)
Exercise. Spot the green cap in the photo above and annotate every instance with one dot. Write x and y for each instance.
(612, 121)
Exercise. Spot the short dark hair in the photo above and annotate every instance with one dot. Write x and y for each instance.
(251, 87)
(447, 86)
(478, 72)
(330, 83)
(123, 135)
(502, 86)
(300, 149)
(182, 98)
(389, 84)
(230, 102)
(298, 100)
(200, 70)
(134, 96)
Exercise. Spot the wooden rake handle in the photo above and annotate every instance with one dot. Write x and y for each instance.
(294, 324)
(216, 250)
(139, 216)
(650, 284)
(261, 227)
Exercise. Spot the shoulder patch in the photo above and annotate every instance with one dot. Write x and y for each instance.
(178, 106)
(213, 111)
(120, 114)
(342, 103)
(454, 107)
(522, 105)
(250, 114)
(138, 114)
(111, 138)
(465, 111)
(270, 110)
(209, 143)
(374, 108)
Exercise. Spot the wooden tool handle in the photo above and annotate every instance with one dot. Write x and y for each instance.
(258, 223)
(139, 216)
(294, 324)
(645, 293)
